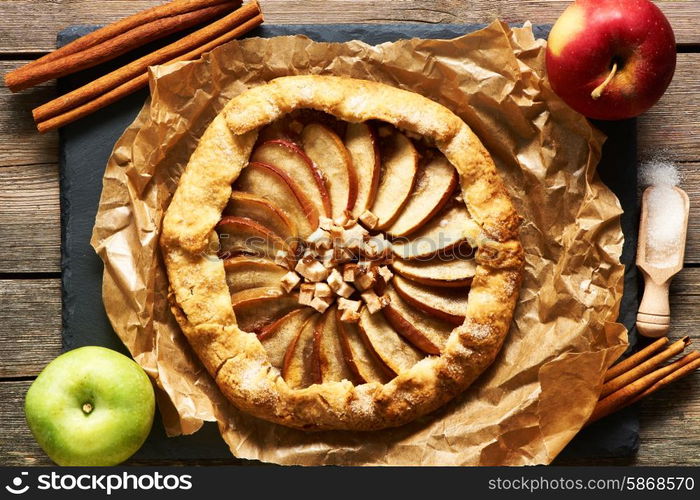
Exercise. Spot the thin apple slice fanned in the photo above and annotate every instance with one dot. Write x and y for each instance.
(437, 271)
(448, 304)
(245, 272)
(291, 159)
(278, 188)
(256, 308)
(398, 174)
(424, 331)
(329, 154)
(299, 369)
(278, 336)
(361, 143)
(435, 183)
(282, 128)
(263, 212)
(239, 235)
(391, 348)
(447, 235)
(362, 361)
(328, 350)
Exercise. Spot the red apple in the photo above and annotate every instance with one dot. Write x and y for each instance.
(611, 59)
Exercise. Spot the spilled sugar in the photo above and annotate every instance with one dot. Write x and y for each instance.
(665, 213)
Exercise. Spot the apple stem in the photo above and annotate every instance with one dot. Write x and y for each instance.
(87, 408)
(598, 91)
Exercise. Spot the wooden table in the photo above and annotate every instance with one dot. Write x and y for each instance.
(30, 286)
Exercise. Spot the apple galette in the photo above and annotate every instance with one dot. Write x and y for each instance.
(341, 254)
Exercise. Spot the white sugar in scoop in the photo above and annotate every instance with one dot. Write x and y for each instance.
(661, 246)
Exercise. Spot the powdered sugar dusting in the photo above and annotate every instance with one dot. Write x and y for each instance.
(481, 331)
(658, 172)
(363, 404)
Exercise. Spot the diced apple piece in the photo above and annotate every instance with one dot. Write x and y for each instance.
(256, 308)
(289, 281)
(306, 293)
(278, 336)
(437, 272)
(398, 174)
(312, 270)
(391, 348)
(279, 189)
(263, 212)
(361, 360)
(448, 304)
(299, 368)
(446, 235)
(435, 183)
(329, 353)
(361, 143)
(289, 158)
(424, 331)
(329, 154)
(244, 272)
(238, 235)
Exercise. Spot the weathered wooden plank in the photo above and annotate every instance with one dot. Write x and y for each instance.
(30, 221)
(22, 145)
(669, 129)
(691, 184)
(31, 25)
(17, 446)
(30, 325)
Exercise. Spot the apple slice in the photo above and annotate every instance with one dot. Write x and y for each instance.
(278, 336)
(435, 183)
(328, 350)
(393, 350)
(289, 158)
(448, 304)
(263, 212)
(361, 360)
(245, 272)
(427, 333)
(361, 143)
(279, 189)
(448, 234)
(437, 272)
(329, 154)
(282, 128)
(239, 235)
(299, 367)
(399, 169)
(256, 308)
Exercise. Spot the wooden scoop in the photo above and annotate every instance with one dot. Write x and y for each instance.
(654, 316)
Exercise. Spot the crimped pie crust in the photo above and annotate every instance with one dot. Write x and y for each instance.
(200, 296)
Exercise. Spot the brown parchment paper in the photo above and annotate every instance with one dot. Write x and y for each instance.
(544, 383)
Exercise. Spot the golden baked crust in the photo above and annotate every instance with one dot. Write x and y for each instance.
(236, 358)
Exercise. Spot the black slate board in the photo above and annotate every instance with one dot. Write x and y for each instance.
(87, 144)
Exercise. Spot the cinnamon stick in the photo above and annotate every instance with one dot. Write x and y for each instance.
(34, 74)
(141, 80)
(642, 369)
(629, 363)
(644, 386)
(220, 29)
(115, 29)
(689, 364)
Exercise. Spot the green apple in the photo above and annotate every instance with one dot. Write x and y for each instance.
(90, 406)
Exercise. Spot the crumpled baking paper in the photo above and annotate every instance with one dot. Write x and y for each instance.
(544, 383)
